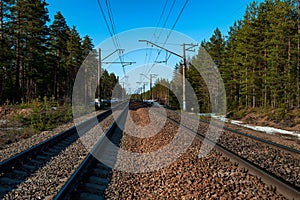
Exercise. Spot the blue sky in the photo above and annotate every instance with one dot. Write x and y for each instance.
(198, 21)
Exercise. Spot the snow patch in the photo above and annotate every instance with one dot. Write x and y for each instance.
(265, 129)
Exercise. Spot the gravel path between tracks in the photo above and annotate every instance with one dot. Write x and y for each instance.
(190, 177)
(273, 159)
(47, 181)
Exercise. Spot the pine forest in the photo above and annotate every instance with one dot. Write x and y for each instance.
(258, 58)
(39, 59)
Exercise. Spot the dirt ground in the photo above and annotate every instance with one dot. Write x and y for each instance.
(290, 123)
(10, 128)
(292, 142)
(9, 132)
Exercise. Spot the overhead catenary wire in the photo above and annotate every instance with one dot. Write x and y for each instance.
(167, 18)
(156, 38)
(111, 28)
(170, 32)
(154, 34)
(164, 25)
(116, 38)
(111, 18)
(110, 15)
(104, 17)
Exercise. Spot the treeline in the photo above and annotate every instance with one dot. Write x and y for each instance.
(258, 60)
(37, 58)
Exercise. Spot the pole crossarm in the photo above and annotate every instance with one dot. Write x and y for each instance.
(144, 76)
(120, 51)
(125, 63)
(167, 50)
(183, 56)
(191, 47)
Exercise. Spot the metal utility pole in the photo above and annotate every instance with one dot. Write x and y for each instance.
(101, 61)
(152, 76)
(144, 84)
(140, 89)
(150, 79)
(183, 77)
(123, 90)
(99, 74)
(143, 88)
(184, 68)
(183, 56)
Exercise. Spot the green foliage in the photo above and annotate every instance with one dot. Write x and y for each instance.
(258, 61)
(7, 102)
(239, 114)
(23, 104)
(37, 59)
(45, 115)
(278, 115)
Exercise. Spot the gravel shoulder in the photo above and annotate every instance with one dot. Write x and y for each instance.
(47, 181)
(189, 177)
(17, 147)
(277, 138)
(25, 143)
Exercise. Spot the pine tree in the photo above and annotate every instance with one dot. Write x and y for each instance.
(27, 26)
(87, 46)
(59, 37)
(74, 59)
(231, 72)
(6, 54)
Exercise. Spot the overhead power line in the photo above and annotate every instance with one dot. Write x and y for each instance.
(170, 32)
(178, 17)
(165, 23)
(162, 13)
(154, 34)
(110, 24)
(104, 17)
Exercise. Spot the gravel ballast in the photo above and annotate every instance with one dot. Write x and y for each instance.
(48, 180)
(189, 177)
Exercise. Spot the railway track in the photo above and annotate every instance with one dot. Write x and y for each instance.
(92, 177)
(15, 170)
(279, 184)
(280, 146)
(240, 133)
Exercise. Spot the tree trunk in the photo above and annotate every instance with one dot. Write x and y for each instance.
(246, 86)
(265, 79)
(30, 83)
(298, 63)
(23, 81)
(253, 89)
(18, 60)
(287, 91)
(1, 20)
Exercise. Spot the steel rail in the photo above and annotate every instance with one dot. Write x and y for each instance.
(82, 172)
(254, 137)
(17, 168)
(23, 156)
(284, 187)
